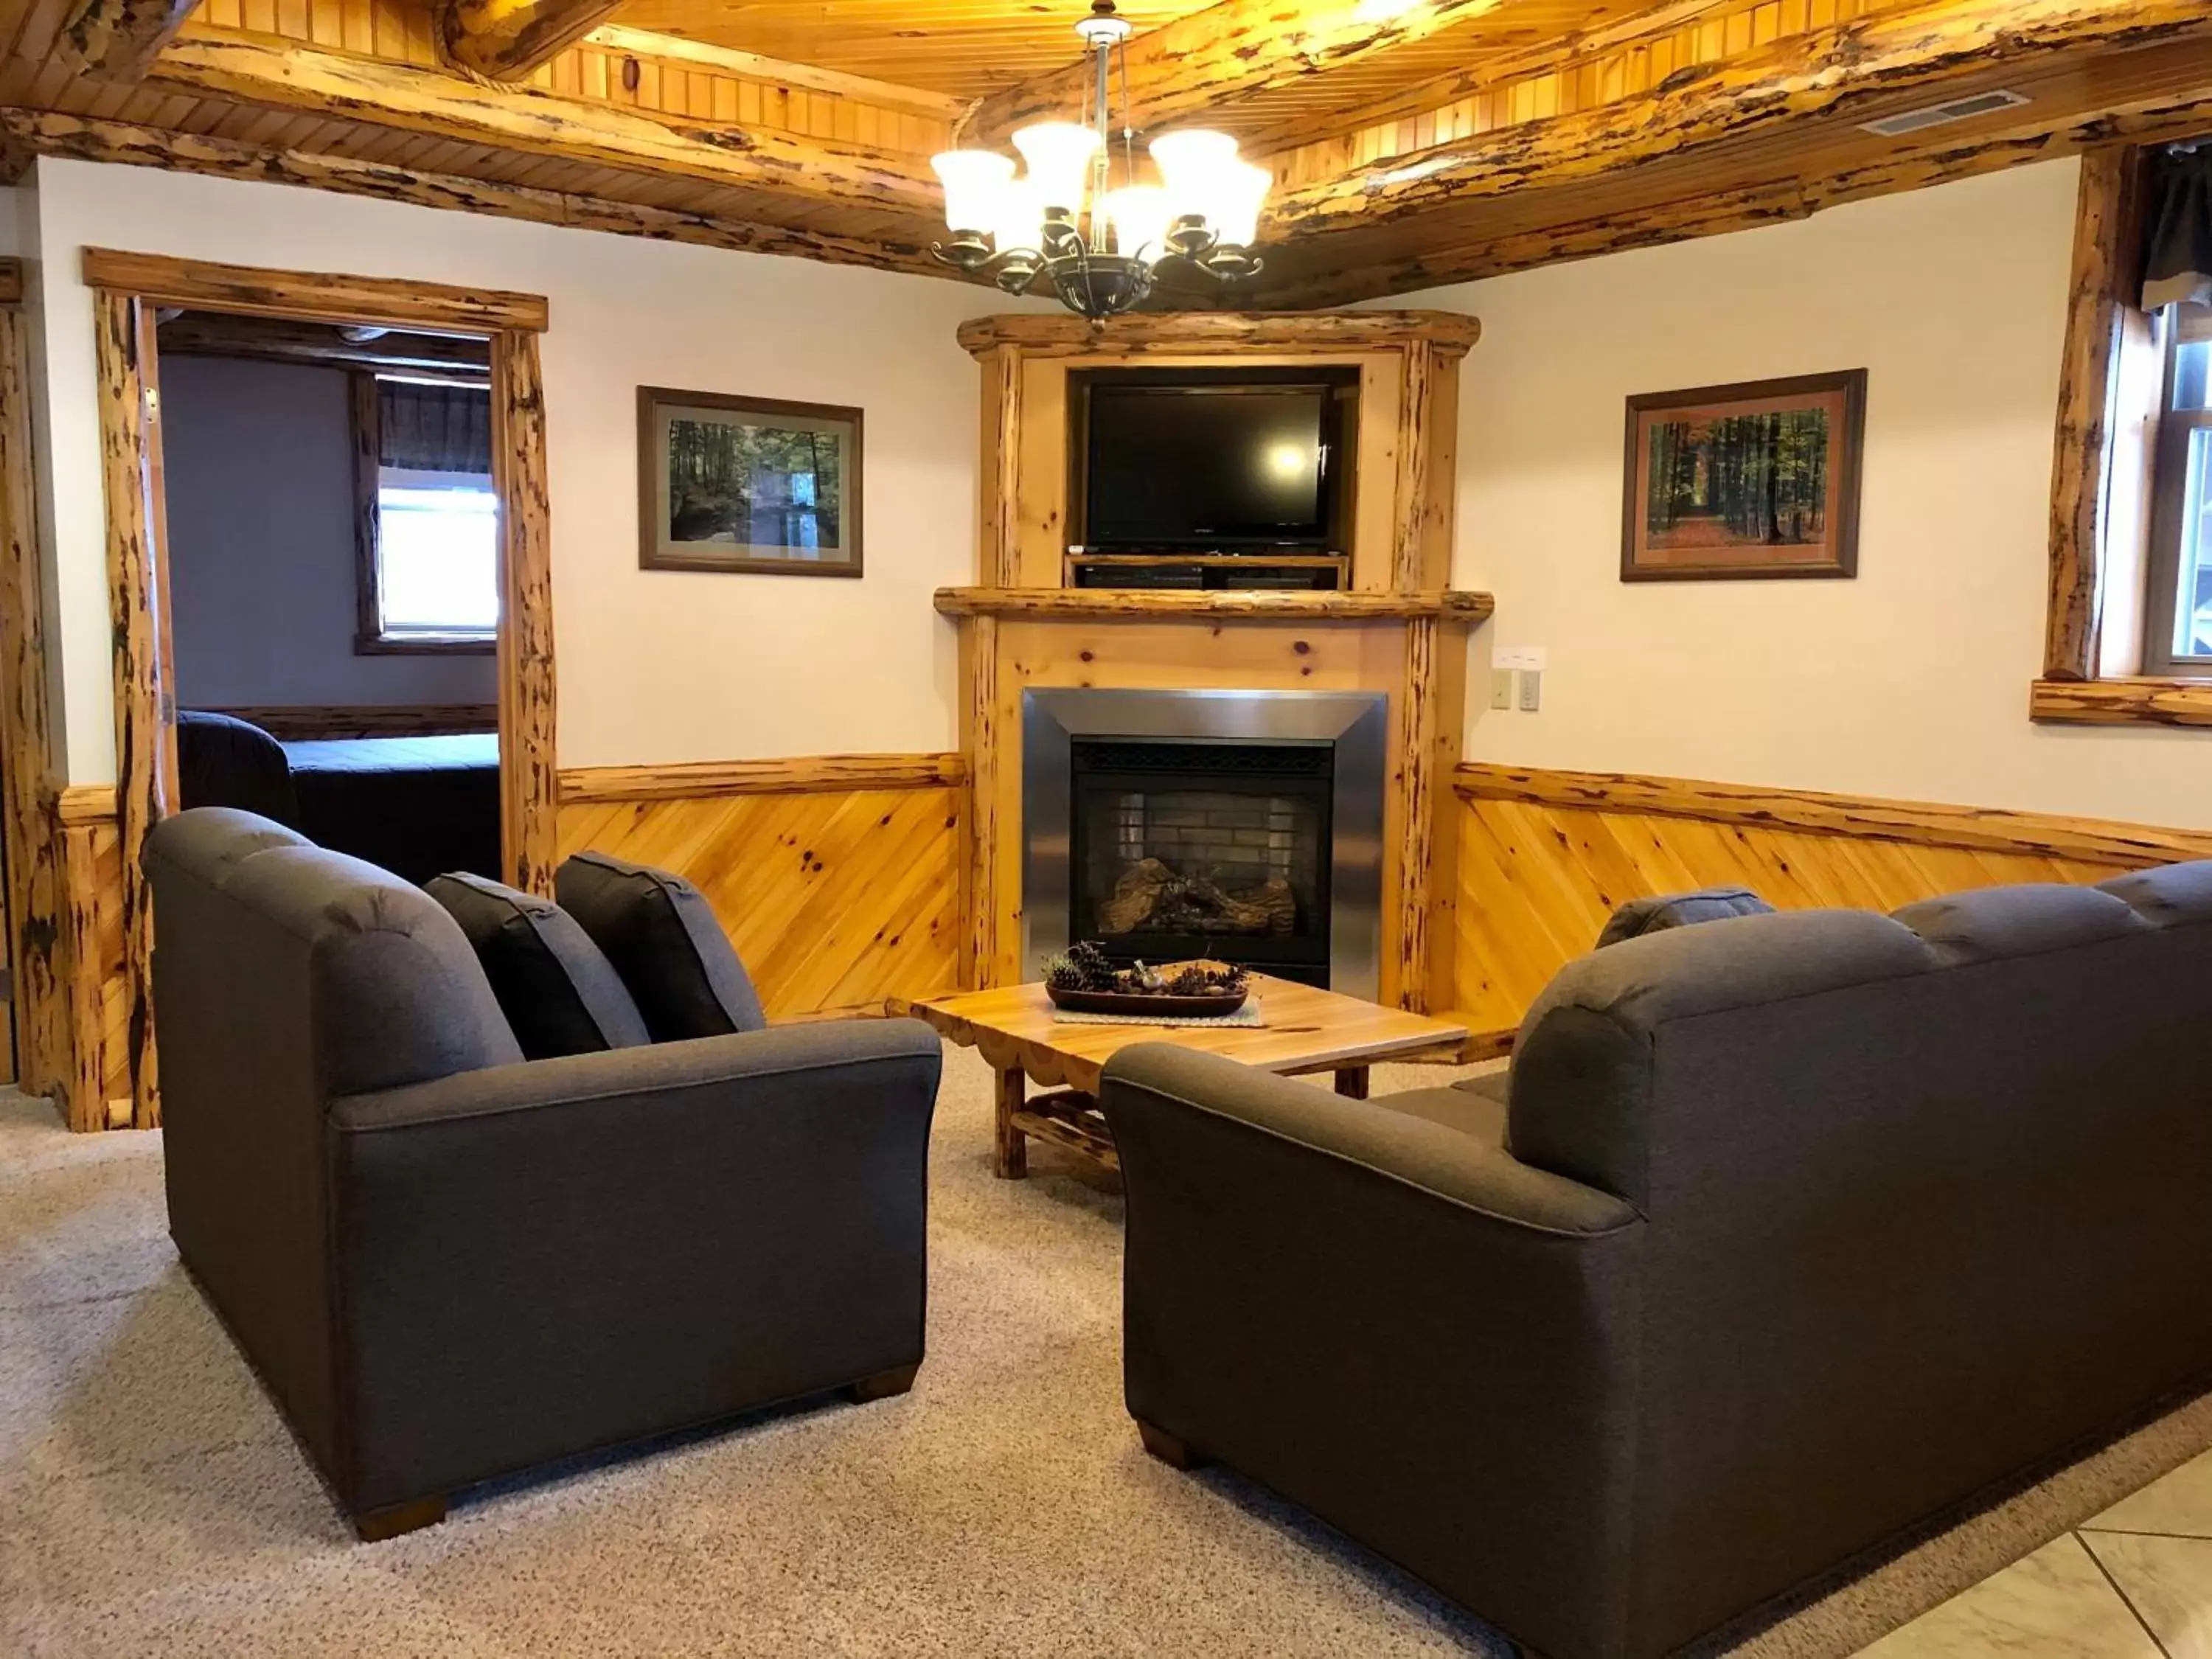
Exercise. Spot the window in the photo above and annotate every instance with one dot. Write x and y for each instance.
(428, 517)
(2178, 613)
(437, 557)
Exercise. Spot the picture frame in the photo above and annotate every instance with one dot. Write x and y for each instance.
(1756, 480)
(757, 485)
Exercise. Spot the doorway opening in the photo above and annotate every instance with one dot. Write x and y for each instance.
(420, 585)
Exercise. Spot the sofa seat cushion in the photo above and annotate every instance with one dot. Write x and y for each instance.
(1455, 1107)
(556, 987)
(1661, 911)
(663, 938)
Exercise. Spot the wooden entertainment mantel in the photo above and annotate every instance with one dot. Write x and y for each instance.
(1399, 630)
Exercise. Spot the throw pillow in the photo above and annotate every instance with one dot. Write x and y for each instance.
(557, 990)
(1651, 915)
(662, 937)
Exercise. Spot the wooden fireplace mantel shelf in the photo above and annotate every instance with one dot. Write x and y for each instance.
(1097, 604)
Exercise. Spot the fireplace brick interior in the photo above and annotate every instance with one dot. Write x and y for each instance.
(1204, 848)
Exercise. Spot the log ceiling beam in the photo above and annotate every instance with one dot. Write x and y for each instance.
(1830, 72)
(505, 39)
(279, 339)
(1746, 207)
(1561, 57)
(117, 40)
(805, 172)
(1217, 56)
(87, 139)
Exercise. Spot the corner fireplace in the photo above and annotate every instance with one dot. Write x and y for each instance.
(1241, 825)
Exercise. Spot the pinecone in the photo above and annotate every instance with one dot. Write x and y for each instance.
(1207, 979)
(1062, 975)
(1089, 961)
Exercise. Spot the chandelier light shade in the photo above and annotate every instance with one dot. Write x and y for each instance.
(1097, 241)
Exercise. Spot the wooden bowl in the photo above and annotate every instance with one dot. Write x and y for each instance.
(1149, 1004)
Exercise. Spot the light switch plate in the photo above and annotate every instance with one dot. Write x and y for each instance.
(1532, 690)
(1501, 688)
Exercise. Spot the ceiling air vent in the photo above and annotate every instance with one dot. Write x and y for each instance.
(1939, 115)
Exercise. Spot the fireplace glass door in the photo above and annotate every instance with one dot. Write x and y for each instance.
(1204, 848)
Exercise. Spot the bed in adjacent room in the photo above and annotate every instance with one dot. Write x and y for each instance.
(418, 806)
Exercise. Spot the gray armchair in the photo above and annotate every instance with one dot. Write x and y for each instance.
(1792, 1233)
(449, 1264)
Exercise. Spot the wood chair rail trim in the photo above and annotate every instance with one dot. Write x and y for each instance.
(253, 291)
(799, 775)
(309, 722)
(1922, 822)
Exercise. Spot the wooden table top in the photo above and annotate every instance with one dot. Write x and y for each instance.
(1306, 1029)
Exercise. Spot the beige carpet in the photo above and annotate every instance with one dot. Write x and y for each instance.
(152, 1503)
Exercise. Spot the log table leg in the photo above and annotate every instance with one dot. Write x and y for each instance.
(1010, 1155)
(1352, 1082)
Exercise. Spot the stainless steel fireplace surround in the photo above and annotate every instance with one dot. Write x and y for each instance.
(1357, 725)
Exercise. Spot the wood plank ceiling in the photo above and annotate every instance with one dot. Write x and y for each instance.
(1414, 142)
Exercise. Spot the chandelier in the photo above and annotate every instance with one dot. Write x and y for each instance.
(1099, 245)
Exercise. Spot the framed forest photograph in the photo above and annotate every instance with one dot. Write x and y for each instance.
(747, 484)
(1760, 479)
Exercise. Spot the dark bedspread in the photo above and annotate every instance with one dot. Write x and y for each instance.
(418, 806)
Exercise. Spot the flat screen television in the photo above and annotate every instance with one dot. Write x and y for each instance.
(1220, 467)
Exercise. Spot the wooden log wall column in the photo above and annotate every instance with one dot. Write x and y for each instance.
(145, 706)
(1415, 431)
(2108, 220)
(1418, 794)
(1003, 466)
(26, 724)
(87, 955)
(529, 784)
(981, 740)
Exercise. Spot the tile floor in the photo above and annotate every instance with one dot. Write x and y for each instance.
(2133, 1582)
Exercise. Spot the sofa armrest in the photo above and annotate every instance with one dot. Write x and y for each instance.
(1390, 1322)
(1424, 1156)
(539, 1259)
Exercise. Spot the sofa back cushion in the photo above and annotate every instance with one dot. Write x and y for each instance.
(1926, 1198)
(665, 942)
(1661, 911)
(559, 992)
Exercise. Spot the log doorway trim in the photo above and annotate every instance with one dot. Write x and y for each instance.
(127, 291)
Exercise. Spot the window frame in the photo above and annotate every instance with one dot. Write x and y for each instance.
(2178, 427)
(2093, 672)
(370, 639)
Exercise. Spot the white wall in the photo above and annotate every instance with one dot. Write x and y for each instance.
(1911, 681)
(654, 667)
(258, 467)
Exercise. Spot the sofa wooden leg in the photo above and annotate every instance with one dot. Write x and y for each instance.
(374, 1526)
(1165, 1447)
(884, 1384)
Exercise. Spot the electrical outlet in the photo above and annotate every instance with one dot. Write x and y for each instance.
(1532, 690)
(1501, 688)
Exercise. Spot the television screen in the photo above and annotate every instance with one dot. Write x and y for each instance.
(1192, 466)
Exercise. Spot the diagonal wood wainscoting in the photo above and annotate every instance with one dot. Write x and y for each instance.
(837, 877)
(1544, 857)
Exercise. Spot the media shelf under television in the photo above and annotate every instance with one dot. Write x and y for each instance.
(1257, 569)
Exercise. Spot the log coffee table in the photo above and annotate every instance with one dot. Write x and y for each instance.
(1306, 1031)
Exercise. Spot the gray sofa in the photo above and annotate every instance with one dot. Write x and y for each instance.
(1790, 1232)
(448, 1264)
